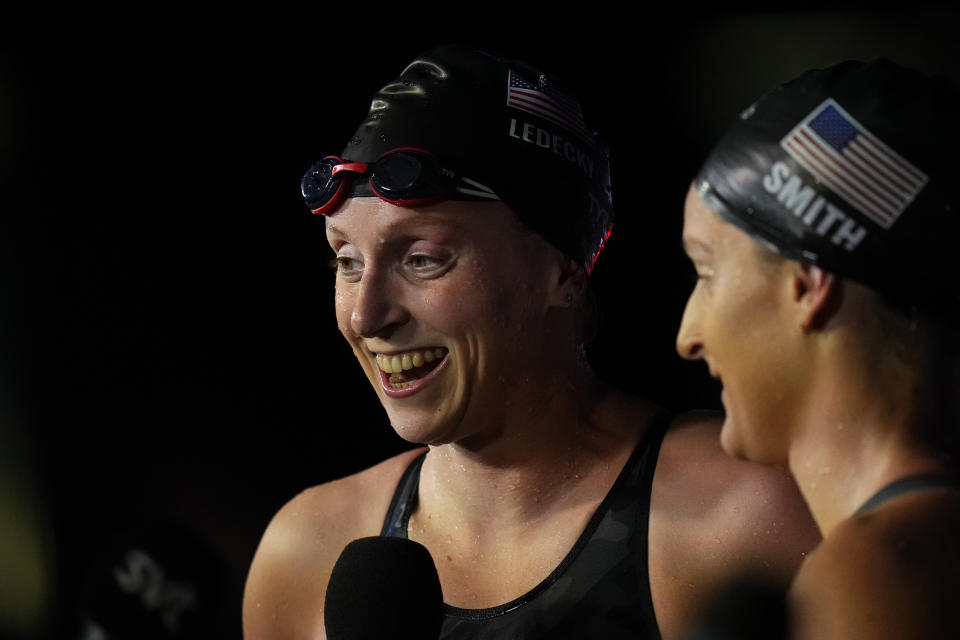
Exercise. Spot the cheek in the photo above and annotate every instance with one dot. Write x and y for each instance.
(738, 301)
(451, 307)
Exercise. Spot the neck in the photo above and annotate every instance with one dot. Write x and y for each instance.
(534, 458)
(857, 434)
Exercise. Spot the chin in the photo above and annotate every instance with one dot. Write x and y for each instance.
(415, 432)
(758, 450)
(429, 425)
(730, 442)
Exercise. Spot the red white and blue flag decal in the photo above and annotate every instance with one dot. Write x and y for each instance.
(546, 102)
(855, 164)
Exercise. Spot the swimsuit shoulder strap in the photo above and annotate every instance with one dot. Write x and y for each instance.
(910, 484)
(404, 500)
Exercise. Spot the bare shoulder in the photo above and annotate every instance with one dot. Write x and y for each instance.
(893, 573)
(714, 518)
(286, 585)
(747, 505)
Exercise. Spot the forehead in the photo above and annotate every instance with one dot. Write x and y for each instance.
(706, 233)
(361, 217)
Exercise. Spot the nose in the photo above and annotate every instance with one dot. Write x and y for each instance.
(376, 309)
(689, 341)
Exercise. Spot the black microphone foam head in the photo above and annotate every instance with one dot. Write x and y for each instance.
(383, 588)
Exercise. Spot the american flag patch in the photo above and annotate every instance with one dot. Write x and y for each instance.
(546, 102)
(855, 164)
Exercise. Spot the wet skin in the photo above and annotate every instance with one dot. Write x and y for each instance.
(811, 380)
(457, 277)
(734, 321)
(508, 412)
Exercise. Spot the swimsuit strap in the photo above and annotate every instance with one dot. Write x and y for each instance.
(404, 500)
(910, 484)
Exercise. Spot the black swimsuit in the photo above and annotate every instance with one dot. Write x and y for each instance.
(601, 589)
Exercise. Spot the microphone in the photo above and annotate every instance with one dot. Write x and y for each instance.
(383, 588)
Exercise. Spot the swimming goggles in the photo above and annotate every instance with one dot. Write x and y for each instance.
(405, 177)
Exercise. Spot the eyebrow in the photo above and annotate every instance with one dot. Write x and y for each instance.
(330, 227)
(694, 246)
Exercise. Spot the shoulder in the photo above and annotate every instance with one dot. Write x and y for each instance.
(286, 585)
(714, 518)
(695, 478)
(893, 573)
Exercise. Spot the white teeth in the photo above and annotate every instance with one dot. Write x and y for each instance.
(406, 361)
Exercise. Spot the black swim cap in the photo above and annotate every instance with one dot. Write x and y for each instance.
(506, 125)
(852, 168)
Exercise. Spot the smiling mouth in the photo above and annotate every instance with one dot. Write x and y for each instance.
(409, 366)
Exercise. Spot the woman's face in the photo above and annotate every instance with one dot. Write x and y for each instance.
(735, 321)
(441, 306)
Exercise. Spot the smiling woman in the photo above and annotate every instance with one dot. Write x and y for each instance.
(823, 225)
(403, 306)
(466, 215)
(732, 322)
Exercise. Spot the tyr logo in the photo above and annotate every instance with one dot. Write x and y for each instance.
(145, 577)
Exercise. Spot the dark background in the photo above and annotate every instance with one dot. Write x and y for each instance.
(170, 356)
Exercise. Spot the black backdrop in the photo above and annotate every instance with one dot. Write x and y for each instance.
(170, 351)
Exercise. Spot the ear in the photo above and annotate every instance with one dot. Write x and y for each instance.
(570, 282)
(817, 293)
